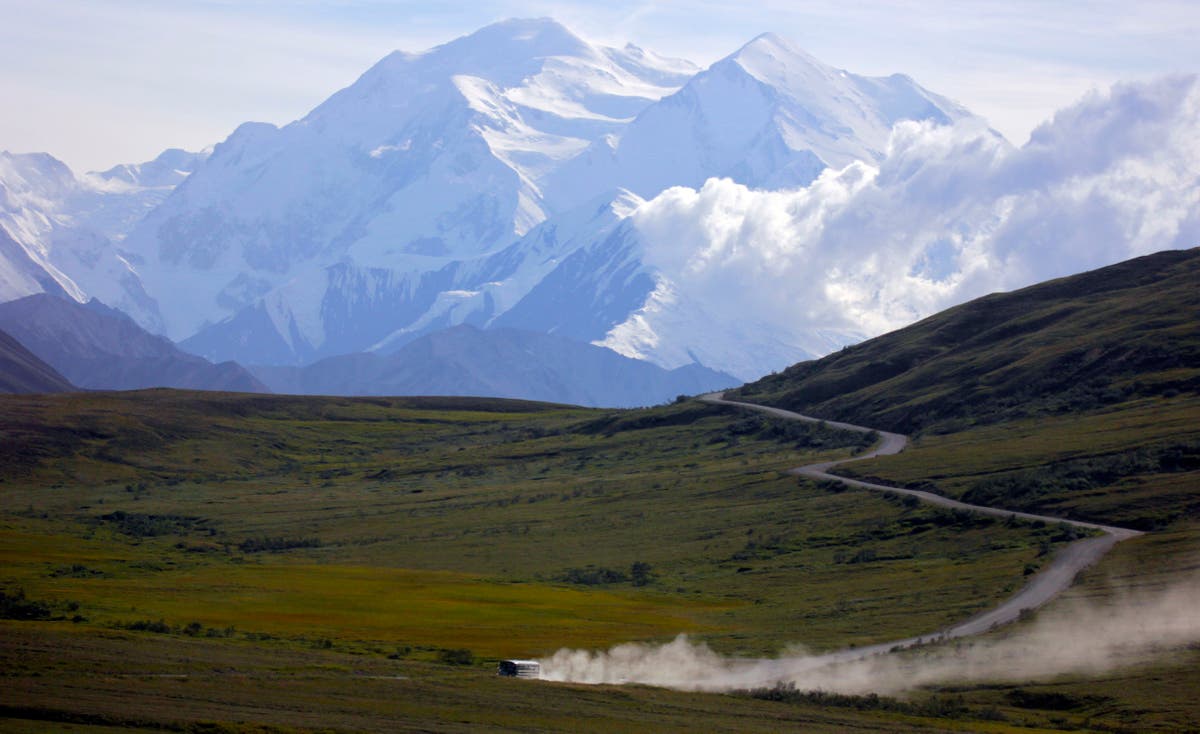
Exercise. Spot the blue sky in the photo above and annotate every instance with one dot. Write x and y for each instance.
(99, 82)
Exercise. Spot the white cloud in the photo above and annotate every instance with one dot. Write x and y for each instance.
(951, 214)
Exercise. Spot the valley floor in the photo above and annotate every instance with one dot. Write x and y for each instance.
(359, 565)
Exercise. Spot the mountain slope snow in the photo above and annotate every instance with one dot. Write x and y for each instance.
(768, 116)
(58, 230)
(427, 159)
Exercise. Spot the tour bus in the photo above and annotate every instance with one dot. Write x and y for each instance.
(520, 668)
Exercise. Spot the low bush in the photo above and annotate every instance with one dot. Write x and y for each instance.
(16, 606)
(259, 545)
(460, 656)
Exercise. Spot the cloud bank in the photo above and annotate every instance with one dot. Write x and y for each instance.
(951, 214)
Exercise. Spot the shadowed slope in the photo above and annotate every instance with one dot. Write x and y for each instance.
(22, 372)
(101, 348)
(1062, 346)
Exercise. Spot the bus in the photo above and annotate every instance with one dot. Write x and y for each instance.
(520, 669)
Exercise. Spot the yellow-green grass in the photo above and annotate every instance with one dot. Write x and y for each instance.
(344, 603)
(794, 579)
(747, 557)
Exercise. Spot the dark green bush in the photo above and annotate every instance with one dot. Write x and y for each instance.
(258, 545)
(593, 576)
(460, 656)
(16, 606)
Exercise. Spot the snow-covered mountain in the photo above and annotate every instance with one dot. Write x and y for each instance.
(39, 196)
(769, 116)
(117, 199)
(345, 308)
(616, 289)
(58, 230)
(742, 217)
(426, 160)
(444, 187)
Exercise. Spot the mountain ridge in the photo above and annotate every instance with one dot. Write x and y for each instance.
(466, 361)
(21, 371)
(100, 348)
(1052, 347)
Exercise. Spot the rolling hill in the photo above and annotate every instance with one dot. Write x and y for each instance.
(1059, 347)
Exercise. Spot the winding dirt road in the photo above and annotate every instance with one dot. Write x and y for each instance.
(1041, 588)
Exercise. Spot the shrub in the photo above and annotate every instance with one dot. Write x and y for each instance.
(137, 525)
(146, 625)
(460, 656)
(16, 606)
(640, 573)
(594, 576)
(257, 545)
(935, 706)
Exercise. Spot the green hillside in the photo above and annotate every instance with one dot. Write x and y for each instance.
(1078, 396)
(1100, 338)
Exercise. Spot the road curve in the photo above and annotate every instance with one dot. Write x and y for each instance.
(1041, 588)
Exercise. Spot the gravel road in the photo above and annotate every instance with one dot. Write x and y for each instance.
(1042, 586)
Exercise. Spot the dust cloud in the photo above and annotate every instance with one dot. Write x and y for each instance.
(1077, 637)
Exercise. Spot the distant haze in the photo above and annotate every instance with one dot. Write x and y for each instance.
(101, 83)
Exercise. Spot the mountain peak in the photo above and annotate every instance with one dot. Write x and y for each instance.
(775, 45)
(777, 61)
(518, 38)
(527, 28)
(169, 168)
(40, 165)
